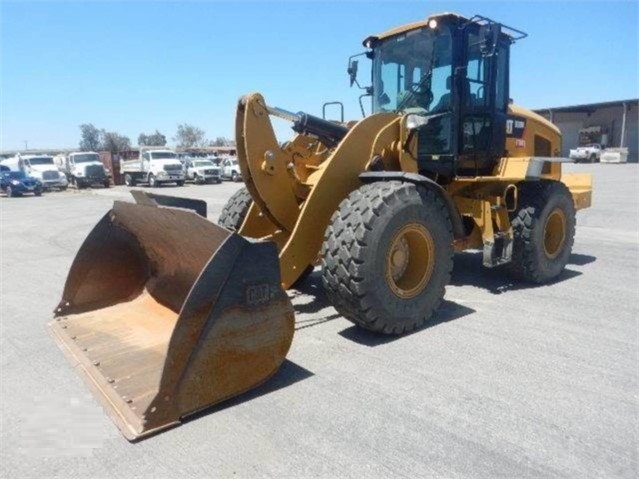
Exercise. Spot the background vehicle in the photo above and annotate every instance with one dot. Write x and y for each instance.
(41, 167)
(18, 183)
(590, 153)
(84, 169)
(202, 171)
(444, 163)
(230, 169)
(154, 166)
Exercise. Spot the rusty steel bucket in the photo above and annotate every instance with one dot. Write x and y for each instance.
(165, 313)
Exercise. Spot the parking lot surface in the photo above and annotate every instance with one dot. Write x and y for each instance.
(508, 380)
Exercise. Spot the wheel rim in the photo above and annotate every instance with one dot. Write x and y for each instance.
(410, 260)
(554, 233)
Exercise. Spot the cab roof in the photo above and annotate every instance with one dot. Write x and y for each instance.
(412, 26)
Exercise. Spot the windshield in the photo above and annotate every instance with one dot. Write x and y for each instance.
(86, 158)
(163, 155)
(413, 71)
(40, 160)
(203, 163)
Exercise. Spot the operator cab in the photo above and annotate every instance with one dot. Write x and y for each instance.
(449, 76)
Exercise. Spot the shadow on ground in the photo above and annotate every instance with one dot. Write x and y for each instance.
(581, 259)
(447, 311)
(288, 374)
(469, 271)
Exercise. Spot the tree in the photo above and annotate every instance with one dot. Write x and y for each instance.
(221, 141)
(189, 136)
(114, 142)
(90, 137)
(155, 139)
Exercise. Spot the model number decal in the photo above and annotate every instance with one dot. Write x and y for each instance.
(515, 127)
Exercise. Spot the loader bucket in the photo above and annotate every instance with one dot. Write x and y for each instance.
(165, 313)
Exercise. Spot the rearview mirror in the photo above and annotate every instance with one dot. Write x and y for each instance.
(352, 71)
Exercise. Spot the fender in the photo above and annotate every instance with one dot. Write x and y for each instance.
(455, 217)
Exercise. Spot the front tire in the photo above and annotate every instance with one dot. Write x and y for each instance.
(179, 183)
(387, 256)
(544, 231)
(37, 192)
(153, 183)
(9, 192)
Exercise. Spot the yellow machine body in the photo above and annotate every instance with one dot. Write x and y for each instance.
(296, 187)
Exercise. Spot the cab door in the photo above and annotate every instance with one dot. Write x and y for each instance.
(484, 104)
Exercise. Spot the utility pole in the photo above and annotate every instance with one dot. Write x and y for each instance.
(26, 145)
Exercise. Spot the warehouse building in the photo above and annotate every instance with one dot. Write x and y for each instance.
(614, 124)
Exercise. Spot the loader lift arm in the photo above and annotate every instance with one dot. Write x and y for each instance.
(274, 174)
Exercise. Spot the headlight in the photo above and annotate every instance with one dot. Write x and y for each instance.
(79, 173)
(161, 174)
(15, 182)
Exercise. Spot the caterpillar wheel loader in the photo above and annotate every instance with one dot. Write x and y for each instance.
(165, 313)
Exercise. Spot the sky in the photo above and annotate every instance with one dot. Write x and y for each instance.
(134, 67)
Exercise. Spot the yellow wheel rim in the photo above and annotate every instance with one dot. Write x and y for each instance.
(554, 233)
(410, 260)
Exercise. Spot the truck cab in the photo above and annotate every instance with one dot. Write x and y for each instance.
(155, 167)
(85, 168)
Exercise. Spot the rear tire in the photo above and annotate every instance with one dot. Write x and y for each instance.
(593, 158)
(544, 231)
(235, 210)
(37, 192)
(179, 183)
(107, 184)
(388, 256)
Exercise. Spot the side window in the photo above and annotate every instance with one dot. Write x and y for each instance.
(475, 89)
(146, 156)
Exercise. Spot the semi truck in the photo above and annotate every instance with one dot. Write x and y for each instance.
(84, 169)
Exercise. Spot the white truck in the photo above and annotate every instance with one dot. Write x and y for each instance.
(589, 153)
(231, 169)
(41, 167)
(83, 169)
(201, 170)
(153, 166)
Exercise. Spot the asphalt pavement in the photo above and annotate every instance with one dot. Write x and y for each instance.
(509, 380)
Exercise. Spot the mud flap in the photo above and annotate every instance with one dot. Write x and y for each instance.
(165, 313)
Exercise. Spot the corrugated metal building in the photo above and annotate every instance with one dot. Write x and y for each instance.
(612, 123)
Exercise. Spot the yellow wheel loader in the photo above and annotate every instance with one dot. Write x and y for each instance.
(165, 313)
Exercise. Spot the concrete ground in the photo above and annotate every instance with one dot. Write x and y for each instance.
(509, 380)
